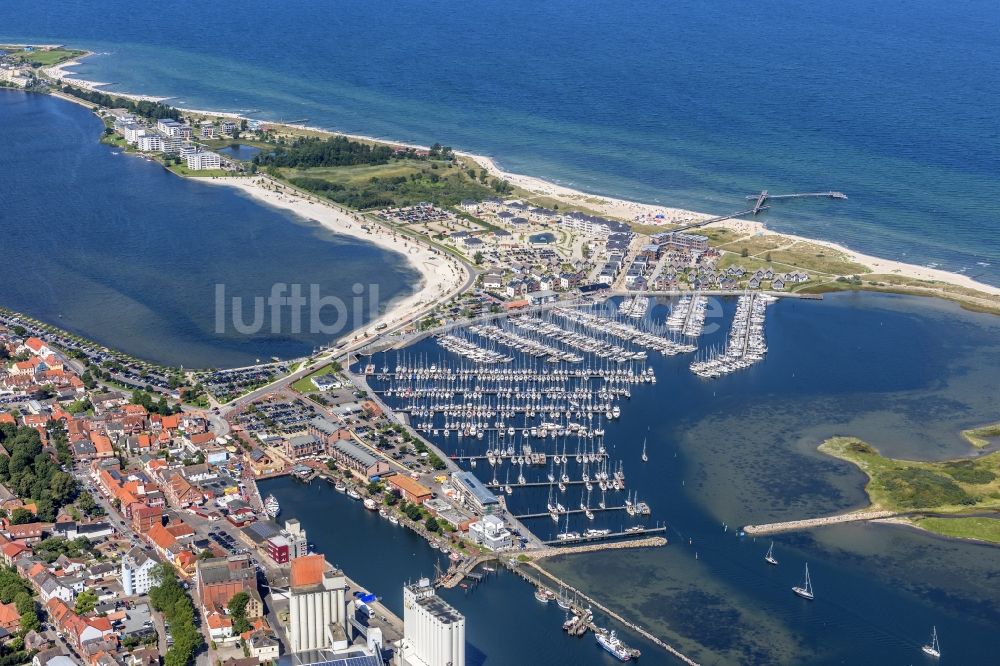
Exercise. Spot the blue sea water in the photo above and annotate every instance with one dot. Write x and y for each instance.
(903, 373)
(688, 103)
(115, 248)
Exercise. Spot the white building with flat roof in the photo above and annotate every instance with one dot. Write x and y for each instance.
(491, 532)
(201, 160)
(433, 631)
(137, 572)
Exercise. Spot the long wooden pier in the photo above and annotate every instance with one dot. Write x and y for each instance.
(760, 202)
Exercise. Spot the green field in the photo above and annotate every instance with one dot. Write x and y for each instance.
(45, 58)
(305, 384)
(399, 183)
(982, 529)
(949, 486)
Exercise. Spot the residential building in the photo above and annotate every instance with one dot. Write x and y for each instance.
(316, 603)
(277, 548)
(204, 160)
(491, 532)
(136, 571)
(220, 578)
(298, 543)
(433, 631)
(474, 493)
(354, 457)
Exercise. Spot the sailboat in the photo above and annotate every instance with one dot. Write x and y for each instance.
(769, 558)
(934, 649)
(806, 591)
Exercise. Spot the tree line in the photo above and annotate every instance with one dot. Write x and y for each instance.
(30, 473)
(144, 108)
(304, 153)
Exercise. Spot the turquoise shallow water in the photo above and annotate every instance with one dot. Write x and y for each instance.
(689, 103)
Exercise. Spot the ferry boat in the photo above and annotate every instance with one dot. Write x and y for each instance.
(271, 506)
(806, 590)
(933, 649)
(610, 642)
(769, 558)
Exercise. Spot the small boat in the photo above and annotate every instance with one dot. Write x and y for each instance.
(806, 590)
(340, 488)
(645, 458)
(353, 494)
(393, 519)
(370, 504)
(541, 595)
(769, 558)
(933, 649)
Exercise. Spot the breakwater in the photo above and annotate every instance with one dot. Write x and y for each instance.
(809, 523)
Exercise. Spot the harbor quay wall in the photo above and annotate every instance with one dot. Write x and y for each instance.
(808, 523)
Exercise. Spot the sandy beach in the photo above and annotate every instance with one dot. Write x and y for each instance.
(441, 276)
(622, 209)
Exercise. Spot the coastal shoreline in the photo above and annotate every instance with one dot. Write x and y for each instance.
(631, 211)
(441, 276)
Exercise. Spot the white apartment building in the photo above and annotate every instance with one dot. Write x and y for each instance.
(150, 143)
(136, 571)
(491, 532)
(203, 160)
(433, 631)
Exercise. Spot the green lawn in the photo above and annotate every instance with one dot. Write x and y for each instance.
(948, 486)
(305, 384)
(46, 58)
(983, 529)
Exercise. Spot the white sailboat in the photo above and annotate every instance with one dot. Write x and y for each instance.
(806, 590)
(933, 648)
(769, 558)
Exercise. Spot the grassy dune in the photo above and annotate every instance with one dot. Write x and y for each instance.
(950, 486)
(979, 528)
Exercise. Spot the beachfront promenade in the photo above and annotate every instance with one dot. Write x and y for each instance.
(809, 523)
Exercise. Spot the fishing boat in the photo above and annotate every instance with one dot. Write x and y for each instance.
(769, 558)
(542, 595)
(806, 590)
(610, 642)
(271, 506)
(933, 648)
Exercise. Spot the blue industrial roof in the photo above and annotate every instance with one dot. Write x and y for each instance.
(476, 487)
